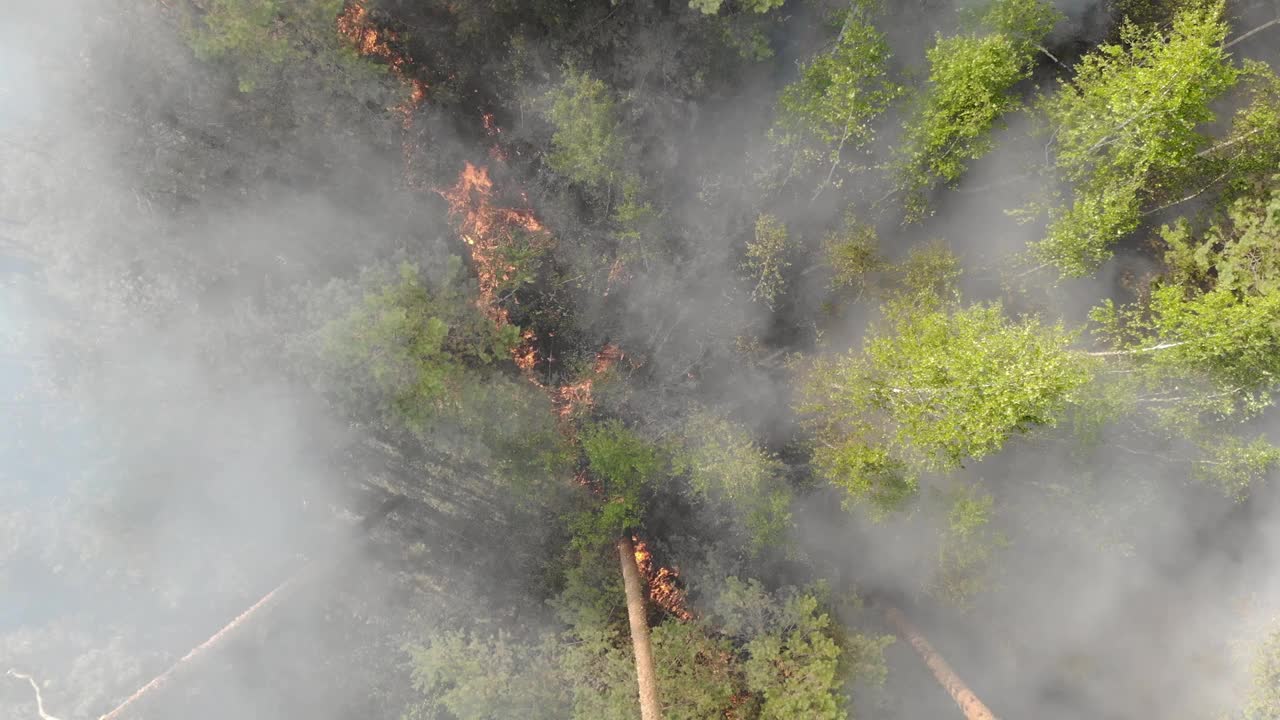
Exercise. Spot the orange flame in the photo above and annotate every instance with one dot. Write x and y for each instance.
(617, 273)
(569, 398)
(663, 588)
(487, 230)
(355, 25)
(358, 28)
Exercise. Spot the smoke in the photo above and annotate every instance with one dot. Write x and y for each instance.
(162, 467)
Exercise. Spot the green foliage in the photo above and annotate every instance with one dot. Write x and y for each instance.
(1264, 696)
(694, 671)
(767, 258)
(764, 655)
(1251, 151)
(929, 274)
(263, 39)
(587, 142)
(1233, 464)
(837, 96)
(417, 356)
(604, 675)
(592, 593)
(935, 385)
(521, 260)
(971, 79)
(797, 671)
(1125, 130)
(966, 547)
(1210, 330)
(711, 7)
(619, 457)
(723, 464)
(795, 662)
(623, 463)
(494, 678)
(416, 350)
(853, 254)
(1219, 309)
(1146, 12)
(1240, 253)
(1025, 22)
(749, 39)
(632, 215)
(1234, 340)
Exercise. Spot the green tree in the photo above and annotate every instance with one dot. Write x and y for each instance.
(724, 464)
(837, 96)
(795, 661)
(264, 39)
(415, 350)
(853, 255)
(1264, 696)
(414, 356)
(694, 669)
(1126, 127)
(935, 384)
(587, 142)
(1211, 328)
(711, 7)
(758, 654)
(970, 87)
(487, 678)
(967, 546)
(767, 257)
(624, 464)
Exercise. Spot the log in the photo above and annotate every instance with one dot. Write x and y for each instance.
(637, 614)
(970, 705)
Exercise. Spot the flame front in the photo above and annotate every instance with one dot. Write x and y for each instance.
(570, 398)
(369, 41)
(488, 230)
(663, 588)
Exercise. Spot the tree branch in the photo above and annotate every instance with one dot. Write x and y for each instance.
(39, 699)
(1192, 196)
(1251, 33)
(1229, 143)
(1153, 348)
(972, 707)
(1050, 55)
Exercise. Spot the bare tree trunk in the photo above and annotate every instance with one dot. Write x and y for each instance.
(969, 703)
(272, 598)
(650, 709)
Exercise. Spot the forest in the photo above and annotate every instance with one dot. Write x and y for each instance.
(640, 359)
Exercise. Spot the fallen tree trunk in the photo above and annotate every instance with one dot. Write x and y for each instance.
(969, 703)
(637, 614)
(312, 569)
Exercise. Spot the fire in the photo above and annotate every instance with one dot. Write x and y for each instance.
(617, 273)
(526, 355)
(569, 398)
(663, 590)
(357, 27)
(487, 230)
